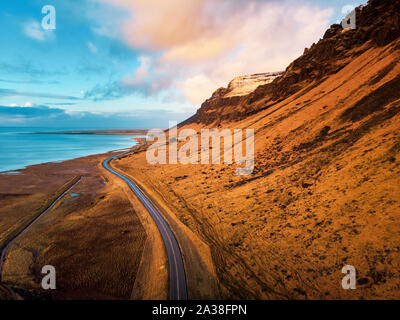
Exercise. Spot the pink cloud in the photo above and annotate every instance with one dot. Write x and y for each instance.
(202, 44)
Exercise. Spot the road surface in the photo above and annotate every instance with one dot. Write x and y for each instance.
(4, 251)
(177, 276)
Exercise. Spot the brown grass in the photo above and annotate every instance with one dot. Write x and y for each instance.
(26, 220)
(95, 240)
(325, 192)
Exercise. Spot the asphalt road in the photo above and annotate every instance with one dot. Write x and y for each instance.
(177, 276)
(4, 251)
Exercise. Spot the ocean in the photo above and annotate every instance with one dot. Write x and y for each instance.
(21, 147)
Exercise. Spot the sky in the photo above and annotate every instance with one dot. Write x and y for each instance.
(143, 63)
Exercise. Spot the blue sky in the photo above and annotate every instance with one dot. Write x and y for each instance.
(128, 64)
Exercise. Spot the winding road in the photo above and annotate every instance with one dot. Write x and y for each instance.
(177, 276)
(4, 251)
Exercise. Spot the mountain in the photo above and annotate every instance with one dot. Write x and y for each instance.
(377, 26)
(325, 191)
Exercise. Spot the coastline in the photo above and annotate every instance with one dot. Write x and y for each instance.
(10, 169)
(99, 132)
(94, 203)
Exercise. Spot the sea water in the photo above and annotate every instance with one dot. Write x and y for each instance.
(21, 147)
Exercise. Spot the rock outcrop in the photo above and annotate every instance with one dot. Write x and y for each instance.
(244, 85)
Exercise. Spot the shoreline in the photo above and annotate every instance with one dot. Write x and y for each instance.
(16, 171)
(13, 172)
(96, 201)
(99, 132)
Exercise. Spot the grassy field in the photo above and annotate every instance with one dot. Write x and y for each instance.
(93, 236)
(18, 227)
(325, 191)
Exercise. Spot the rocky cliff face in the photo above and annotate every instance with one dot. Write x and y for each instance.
(378, 24)
(244, 85)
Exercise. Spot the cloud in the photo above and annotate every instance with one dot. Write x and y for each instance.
(142, 82)
(142, 73)
(199, 45)
(35, 81)
(92, 47)
(109, 91)
(17, 93)
(28, 104)
(348, 8)
(87, 68)
(29, 113)
(29, 68)
(46, 116)
(34, 30)
(61, 103)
